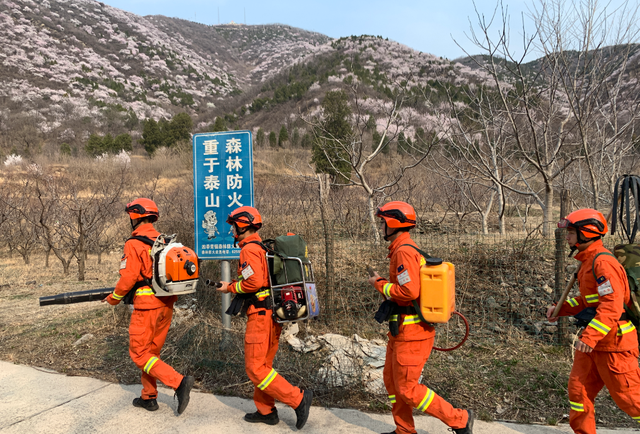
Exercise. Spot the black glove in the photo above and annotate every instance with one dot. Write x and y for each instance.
(384, 311)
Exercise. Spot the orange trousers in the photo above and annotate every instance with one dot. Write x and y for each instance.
(618, 371)
(402, 370)
(261, 341)
(147, 333)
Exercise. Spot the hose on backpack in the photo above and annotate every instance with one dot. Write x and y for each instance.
(466, 335)
(626, 188)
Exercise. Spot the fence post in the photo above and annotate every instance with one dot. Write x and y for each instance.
(560, 264)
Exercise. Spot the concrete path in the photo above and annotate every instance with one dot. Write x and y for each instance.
(33, 401)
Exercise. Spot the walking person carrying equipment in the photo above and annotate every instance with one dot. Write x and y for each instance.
(152, 313)
(410, 338)
(607, 351)
(262, 335)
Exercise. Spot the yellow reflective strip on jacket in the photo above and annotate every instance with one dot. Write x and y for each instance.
(117, 297)
(144, 291)
(239, 288)
(265, 383)
(426, 401)
(636, 418)
(576, 406)
(572, 302)
(602, 328)
(386, 289)
(264, 293)
(592, 298)
(411, 319)
(422, 261)
(152, 361)
(626, 328)
(392, 398)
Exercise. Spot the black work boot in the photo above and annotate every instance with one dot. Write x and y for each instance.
(147, 404)
(467, 429)
(182, 393)
(302, 411)
(257, 417)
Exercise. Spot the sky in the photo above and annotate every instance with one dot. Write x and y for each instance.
(436, 27)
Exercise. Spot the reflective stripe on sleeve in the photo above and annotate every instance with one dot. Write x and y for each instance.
(117, 297)
(602, 328)
(411, 319)
(575, 406)
(392, 398)
(386, 289)
(152, 361)
(265, 383)
(426, 401)
(592, 298)
(573, 302)
(626, 328)
(239, 288)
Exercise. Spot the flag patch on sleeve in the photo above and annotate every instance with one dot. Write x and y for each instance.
(400, 268)
(601, 280)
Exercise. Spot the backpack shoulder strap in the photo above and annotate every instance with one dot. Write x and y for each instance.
(143, 238)
(422, 252)
(264, 247)
(593, 265)
(415, 302)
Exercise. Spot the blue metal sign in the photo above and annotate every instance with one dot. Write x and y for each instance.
(223, 181)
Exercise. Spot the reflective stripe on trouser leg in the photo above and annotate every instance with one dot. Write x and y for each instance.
(265, 383)
(584, 385)
(426, 401)
(621, 376)
(147, 334)
(260, 347)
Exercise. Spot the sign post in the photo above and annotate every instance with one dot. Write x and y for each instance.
(222, 182)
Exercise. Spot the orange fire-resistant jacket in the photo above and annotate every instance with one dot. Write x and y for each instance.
(136, 265)
(403, 285)
(253, 271)
(607, 293)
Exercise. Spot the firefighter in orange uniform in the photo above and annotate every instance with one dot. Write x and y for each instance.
(262, 335)
(411, 342)
(151, 317)
(607, 352)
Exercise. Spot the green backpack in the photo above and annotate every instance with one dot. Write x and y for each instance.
(629, 256)
(284, 269)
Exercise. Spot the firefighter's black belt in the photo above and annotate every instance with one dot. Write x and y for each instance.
(241, 303)
(389, 308)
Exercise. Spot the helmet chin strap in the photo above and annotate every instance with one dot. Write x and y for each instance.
(387, 236)
(134, 226)
(238, 233)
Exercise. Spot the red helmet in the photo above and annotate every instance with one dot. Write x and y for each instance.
(245, 216)
(397, 215)
(589, 223)
(143, 207)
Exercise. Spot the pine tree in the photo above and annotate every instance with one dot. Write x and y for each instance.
(283, 136)
(151, 136)
(328, 153)
(260, 137)
(273, 140)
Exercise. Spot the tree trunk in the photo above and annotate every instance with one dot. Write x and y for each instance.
(501, 210)
(547, 211)
(372, 221)
(80, 253)
(327, 227)
(46, 257)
